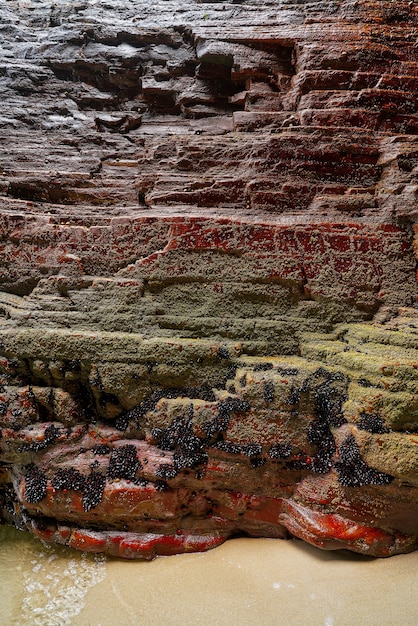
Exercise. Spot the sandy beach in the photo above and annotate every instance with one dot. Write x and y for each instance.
(244, 582)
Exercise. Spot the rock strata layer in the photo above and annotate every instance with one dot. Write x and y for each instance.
(208, 244)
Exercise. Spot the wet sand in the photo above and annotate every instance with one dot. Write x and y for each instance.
(244, 582)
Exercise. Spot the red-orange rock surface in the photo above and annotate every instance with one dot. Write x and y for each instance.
(209, 231)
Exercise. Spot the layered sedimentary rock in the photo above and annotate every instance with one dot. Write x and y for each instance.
(208, 218)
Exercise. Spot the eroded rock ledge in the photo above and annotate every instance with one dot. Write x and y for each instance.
(208, 215)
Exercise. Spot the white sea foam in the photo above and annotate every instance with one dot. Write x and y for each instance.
(53, 596)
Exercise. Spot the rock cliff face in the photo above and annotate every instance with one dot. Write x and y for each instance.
(208, 213)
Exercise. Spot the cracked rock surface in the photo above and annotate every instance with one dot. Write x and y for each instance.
(208, 245)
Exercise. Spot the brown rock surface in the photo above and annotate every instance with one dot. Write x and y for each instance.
(209, 232)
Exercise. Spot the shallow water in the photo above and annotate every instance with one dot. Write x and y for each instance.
(244, 582)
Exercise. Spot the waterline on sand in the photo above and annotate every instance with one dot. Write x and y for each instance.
(244, 582)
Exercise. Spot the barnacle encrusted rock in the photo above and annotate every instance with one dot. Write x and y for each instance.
(208, 242)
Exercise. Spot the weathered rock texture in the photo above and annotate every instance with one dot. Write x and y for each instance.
(208, 213)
